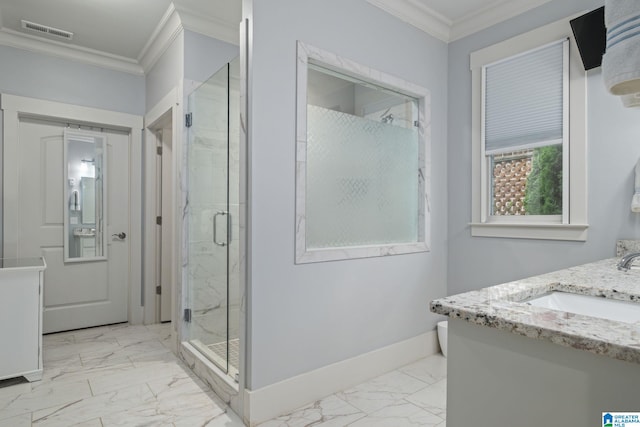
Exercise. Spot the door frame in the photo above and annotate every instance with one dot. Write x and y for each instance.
(14, 107)
(170, 103)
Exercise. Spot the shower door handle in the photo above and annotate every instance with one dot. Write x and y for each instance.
(215, 228)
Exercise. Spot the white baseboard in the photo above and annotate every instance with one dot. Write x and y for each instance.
(285, 396)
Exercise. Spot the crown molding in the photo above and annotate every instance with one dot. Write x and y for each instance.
(419, 15)
(208, 25)
(490, 15)
(172, 23)
(71, 52)
(430, 21)
(169, 27)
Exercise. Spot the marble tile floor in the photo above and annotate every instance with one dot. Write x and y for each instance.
(124, 375)
(414, 395)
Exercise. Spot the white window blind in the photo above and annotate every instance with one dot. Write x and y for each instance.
(524, 100)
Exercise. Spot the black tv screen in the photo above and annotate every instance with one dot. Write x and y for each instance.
(591, 37)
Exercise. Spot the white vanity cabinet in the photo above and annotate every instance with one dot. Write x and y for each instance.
(21, 288)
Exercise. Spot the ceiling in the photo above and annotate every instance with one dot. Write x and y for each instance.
(119, 33)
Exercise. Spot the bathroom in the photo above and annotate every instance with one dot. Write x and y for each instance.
(303, 318)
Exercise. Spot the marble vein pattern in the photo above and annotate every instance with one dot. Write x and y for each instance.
(123, 375)
(503, 307)
(414, 395)
(116, 375)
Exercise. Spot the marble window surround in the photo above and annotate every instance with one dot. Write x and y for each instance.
(501, 307)
(307, 53)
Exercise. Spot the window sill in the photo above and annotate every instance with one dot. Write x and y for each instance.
(352, 252)
(569, 232)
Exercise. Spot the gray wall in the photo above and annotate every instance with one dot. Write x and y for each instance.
(166, 73)
(307, 316)
(203, 56)
(613, 147)
(193, 57)
(41, 76)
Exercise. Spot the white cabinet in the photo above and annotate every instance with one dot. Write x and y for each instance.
(21, 282)
(87, 247)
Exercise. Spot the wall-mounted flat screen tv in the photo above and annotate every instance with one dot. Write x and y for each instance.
(591, 37)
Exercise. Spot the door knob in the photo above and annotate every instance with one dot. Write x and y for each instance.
(122, 235)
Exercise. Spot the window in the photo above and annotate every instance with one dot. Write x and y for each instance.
(361, 179)
(529, 137)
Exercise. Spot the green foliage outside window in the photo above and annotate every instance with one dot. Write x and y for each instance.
(544, 183)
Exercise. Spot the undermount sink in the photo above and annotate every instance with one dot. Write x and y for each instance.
(604, 308)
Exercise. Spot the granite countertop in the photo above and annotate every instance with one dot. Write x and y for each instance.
(500, 307)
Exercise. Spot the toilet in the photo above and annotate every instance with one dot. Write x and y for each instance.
(442, 336)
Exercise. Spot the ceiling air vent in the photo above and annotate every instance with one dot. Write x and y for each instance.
(45, 29)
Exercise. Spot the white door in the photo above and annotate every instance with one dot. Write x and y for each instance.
(77, 294)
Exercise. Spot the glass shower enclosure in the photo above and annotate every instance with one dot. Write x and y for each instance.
(212, 299)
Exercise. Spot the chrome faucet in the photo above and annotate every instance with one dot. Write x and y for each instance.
(627, 260)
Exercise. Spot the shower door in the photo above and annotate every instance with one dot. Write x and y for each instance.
(209, 220)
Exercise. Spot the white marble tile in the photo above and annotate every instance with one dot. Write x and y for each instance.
(433, 398)
(328, 412)
(15, 389)
(429, 370)
(145, 415)
(400, 414)
(87, 409)
(175, 400)
(122, 352)
(155, 358)
(44, 395)
(74, 372)
(99, 334)
(174, 391)
(226, 419)
(54, 354)
(68, 363)
(137, 375)
(23, 420)
(134, 335)
(162, 331)
(96, 422)
(53, 340)
(382, 391)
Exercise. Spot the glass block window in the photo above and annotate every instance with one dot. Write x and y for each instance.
(361, 183)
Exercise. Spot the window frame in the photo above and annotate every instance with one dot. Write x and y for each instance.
(309, 54)
(572, 225)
